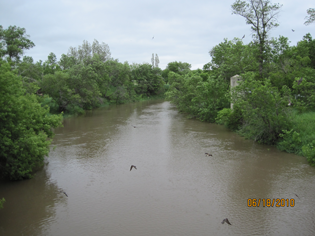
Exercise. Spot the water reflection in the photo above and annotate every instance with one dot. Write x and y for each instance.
(30, 206)
(176, 189)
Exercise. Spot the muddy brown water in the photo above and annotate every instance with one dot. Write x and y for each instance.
(175, 190)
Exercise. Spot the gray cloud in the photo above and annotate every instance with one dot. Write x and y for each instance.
(183, 30)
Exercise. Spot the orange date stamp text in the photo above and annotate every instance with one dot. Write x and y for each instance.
(270, 202)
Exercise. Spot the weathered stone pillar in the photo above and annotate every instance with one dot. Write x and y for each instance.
(234, 82)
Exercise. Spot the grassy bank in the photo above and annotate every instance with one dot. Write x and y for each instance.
(301, 138)
(298, 138)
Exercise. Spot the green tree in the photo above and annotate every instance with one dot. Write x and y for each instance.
(263, 107)
(120, 87)
(210, 97)
(84, 81)
(25, 127)
(86, 51)
(311, 16)
(2, 43)
(66, 62)
(176, 89)
(200, 98)
(58, 86)
(287, 62)
(305, 92)
(310, 43)
(28, 69)
(230, 58)
(176, 67)
(51, 65)
(102, 50)
(31, 74)
(13, 41)
(179, 67)
(102, 78)
(262, 16)
(148, 79)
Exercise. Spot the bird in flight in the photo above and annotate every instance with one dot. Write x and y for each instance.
(64, 192)
(132, 166)
(153, 37)
(293, 30)
(243, 36)
(208, 154)
(227, 221)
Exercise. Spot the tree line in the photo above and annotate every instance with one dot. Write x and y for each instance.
(274, 102)
(274, 74)
(87, 77)
(34, 95)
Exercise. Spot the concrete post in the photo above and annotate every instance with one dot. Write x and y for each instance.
(234, 82)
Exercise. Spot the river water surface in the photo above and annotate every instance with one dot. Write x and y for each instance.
(175, 190)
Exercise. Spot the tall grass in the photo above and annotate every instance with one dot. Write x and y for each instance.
(305, 124)
(301, 138)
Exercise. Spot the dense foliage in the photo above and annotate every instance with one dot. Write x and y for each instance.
(264, 109)
(275, 93)
(25, 127)
(272, 104)
(13, 41)
(261, 15)
(89, 79)
(202, 97)
(261, 110)
(84, 78)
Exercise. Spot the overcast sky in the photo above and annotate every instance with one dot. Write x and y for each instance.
(183, 30)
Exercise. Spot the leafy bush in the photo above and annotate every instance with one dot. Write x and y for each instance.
(309, 152)
(291, 141)
(305, 91)
(231, 118)
(199, 98)
(235, 119)
(264, 109)
(51, 103)
(166, 87)
(74, 109)
(210, 98)
(25, 127)
(223, 116)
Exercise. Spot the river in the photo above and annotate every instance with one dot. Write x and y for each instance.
(175, 190)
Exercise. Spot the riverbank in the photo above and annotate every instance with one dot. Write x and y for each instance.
(298, 139)
(176, 189)
(301, 138)
(106, 104)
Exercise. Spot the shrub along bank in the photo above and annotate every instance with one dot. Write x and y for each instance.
(272, 106)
